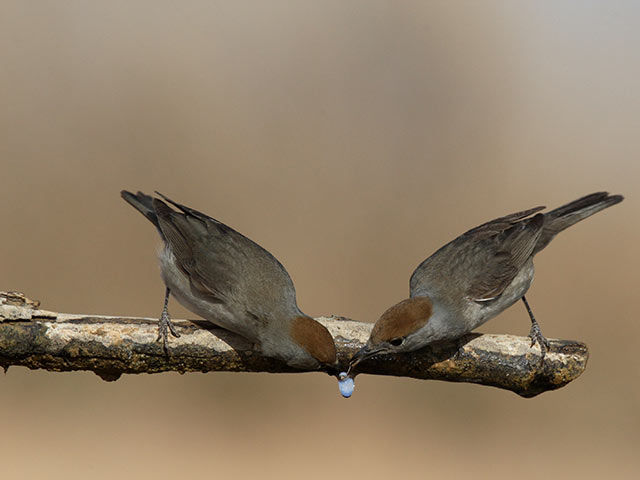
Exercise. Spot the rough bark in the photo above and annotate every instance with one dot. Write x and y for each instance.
(111, 346)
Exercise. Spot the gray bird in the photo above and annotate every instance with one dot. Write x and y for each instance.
(475, 277)
(234, 283)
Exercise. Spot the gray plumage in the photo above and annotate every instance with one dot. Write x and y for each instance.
(488, 268)
(230, 280)
(475, 277)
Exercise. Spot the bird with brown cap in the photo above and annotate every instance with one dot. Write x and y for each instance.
(474, 278)
(234, 283)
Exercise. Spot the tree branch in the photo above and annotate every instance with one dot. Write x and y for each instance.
(111, 346)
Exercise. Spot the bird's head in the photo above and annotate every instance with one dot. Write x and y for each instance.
(396, 330)
(317, 342)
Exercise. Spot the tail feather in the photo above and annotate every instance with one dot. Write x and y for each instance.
(583, 202)
(143, 203)
(563, 217)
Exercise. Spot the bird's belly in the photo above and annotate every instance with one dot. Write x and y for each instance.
(217, 312)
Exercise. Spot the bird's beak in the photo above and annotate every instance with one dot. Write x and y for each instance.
(362, 354)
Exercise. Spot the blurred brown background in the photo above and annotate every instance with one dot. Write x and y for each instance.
(351, 139)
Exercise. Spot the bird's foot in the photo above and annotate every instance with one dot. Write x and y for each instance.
(536, 337)
(165, 325)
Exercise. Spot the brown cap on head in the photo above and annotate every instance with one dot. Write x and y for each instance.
(315, 339)
(402, 319)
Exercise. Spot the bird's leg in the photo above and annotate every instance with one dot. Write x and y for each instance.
(536, 334)
(165, 323)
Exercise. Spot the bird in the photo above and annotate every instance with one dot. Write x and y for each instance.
(475, 277)
(231, 281)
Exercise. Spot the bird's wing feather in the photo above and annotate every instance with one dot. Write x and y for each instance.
(223, 264)
(502, 256)
(493, 252)
(498, 225)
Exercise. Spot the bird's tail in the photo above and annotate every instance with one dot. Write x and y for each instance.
(563, 217)
(142, 203)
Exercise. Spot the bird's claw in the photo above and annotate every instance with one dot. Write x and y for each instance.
(536, 337)
(165, 325)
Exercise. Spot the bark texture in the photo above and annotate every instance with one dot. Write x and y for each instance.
(111, 346)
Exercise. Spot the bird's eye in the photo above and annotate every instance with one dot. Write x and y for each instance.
(396, 342)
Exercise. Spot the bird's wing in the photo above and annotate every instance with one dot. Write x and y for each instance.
(482, 262)
(501, 255)
(499, 225)
(223, 264)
